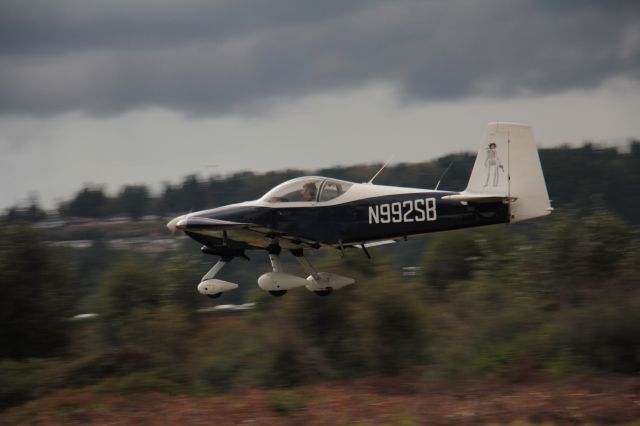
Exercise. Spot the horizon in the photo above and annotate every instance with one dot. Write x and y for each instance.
(155, 189)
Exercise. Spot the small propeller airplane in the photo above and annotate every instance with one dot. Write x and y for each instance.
(312, 212)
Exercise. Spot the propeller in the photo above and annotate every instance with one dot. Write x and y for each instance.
(173, 223)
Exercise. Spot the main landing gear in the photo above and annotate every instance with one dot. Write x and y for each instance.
(277, 283)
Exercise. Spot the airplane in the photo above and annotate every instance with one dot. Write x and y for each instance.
(313, 212)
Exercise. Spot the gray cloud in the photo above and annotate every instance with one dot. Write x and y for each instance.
(230, 56)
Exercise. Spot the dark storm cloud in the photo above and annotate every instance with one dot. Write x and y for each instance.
(228, 56)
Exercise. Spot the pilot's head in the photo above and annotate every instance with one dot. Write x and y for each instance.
(309, 191)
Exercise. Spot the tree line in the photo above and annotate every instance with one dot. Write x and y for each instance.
(575, 176)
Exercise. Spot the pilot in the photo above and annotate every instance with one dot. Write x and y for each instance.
(309, 191)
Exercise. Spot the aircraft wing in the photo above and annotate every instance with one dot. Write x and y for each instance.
(214, 231)
(376, 243)
(365, 245)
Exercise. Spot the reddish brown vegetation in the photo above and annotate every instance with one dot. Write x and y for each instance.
(612, 400)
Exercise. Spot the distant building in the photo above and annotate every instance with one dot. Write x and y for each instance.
(411, 271)
(77, 244)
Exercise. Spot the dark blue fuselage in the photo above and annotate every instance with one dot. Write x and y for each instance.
(359, 221)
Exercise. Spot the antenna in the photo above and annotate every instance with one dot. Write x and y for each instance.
(442, 175)
(508, 164)
(381, 169)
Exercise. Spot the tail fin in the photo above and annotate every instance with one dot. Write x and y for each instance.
(508, 167)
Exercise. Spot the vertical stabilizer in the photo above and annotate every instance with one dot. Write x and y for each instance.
(508, 166)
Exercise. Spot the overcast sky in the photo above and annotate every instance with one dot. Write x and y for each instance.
(141, 91)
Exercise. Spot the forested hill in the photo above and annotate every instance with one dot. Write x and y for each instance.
(581, 178)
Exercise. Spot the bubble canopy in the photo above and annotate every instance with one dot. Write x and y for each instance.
(307, 189)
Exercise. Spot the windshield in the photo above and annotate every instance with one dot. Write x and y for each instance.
(307, 189)
(295, 190)
(333, 188)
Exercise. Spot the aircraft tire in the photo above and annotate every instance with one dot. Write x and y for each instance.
(278, 293)
(324, 292)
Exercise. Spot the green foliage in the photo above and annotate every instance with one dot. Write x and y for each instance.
(19, 381)
(129, 292)
(139, 312)
(293, 356)
(392, 320)
(92, 261)
(592, 249)
(30, 214)
(561, 302)
(450, 257)
(181, 273)
(218, 372)
(133, 200)
(605, 335)
(36, 286)
(487, 326)
(373, 326)
(558, 295)
(301, 338)
(89, 202)
(507, 313)
(231, 353)
(327, 341)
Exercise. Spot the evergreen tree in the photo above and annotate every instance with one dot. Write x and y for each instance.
(37, 296)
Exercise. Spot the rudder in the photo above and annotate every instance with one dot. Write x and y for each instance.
(508, 165)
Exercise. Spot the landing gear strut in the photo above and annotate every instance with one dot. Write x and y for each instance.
(314, 278)
(279, 282)
(211, 287)
(274, 258)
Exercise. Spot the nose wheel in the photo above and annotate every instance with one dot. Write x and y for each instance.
(212, 287)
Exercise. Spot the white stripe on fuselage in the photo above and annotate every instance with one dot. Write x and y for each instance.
(358, 191)
(354, 193)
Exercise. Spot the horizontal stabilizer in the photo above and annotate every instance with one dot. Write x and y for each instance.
(471, 197)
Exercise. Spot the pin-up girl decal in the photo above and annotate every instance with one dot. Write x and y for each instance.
(493, 165)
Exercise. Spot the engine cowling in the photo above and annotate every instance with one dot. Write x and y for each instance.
(214, 286)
